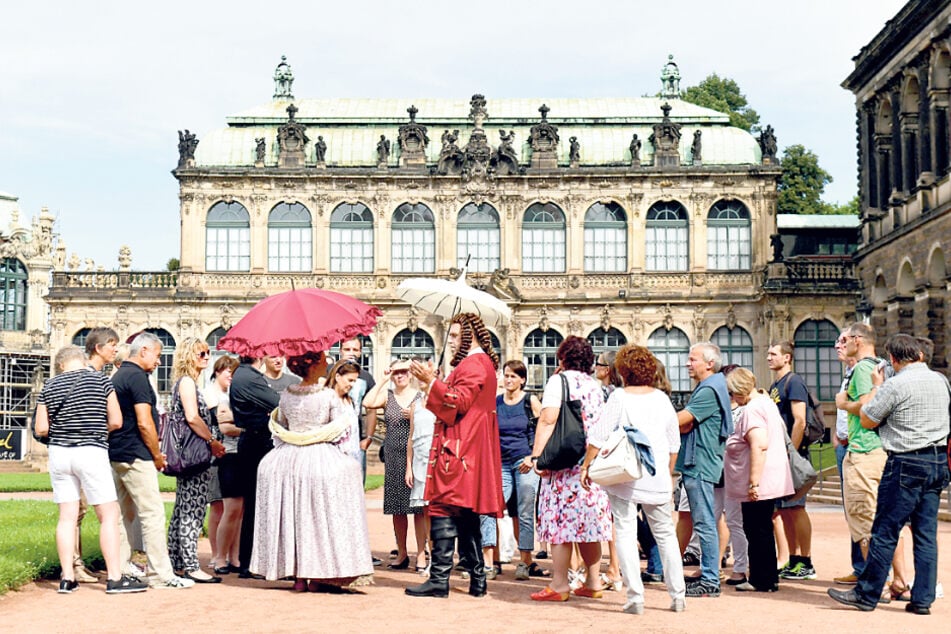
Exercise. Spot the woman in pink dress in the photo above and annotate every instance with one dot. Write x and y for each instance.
(311, 520)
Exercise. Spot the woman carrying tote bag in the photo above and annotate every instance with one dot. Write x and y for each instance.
(651, 412)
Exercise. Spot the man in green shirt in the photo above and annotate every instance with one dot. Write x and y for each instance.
(863, 464)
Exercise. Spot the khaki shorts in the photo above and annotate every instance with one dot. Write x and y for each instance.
(861, 473)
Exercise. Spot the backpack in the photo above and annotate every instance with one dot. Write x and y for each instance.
(815, 418)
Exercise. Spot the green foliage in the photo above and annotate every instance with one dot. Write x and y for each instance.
(850, 208)
(28, 543)
(173, 264)
(26, 482)
(802, 183)
(724, 95)
(373, 482)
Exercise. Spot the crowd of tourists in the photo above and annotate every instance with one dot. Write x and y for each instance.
(282, 484)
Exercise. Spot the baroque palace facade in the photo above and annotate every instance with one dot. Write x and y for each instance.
(645, 220)
(901, 83)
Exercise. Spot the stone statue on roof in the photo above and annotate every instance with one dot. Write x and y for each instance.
(450, 156)
(696, 148)
(259, 149)
(382, 150)
(670, 80)
(320, 150)
(187, 142)
(505, 159)
(574, 150)
(283, 80)
(635, 148)
(767, 144)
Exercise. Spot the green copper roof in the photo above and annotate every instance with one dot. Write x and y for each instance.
(352, 127)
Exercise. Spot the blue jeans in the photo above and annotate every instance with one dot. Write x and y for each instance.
(525, 484)
(910, 489)
(857, 562)
(700, 496)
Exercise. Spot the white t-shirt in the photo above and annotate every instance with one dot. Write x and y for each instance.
(654, 416)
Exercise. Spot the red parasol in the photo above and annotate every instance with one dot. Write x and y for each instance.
(299, 321)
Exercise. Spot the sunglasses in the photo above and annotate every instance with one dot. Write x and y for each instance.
(204, 354)
(602, 365)
(395, 372)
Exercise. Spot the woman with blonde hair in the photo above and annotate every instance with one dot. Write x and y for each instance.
(756, 472)
(191, 491)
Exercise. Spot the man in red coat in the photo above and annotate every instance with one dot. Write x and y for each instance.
(464, 477)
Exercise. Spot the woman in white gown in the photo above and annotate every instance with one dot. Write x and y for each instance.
(311, 519)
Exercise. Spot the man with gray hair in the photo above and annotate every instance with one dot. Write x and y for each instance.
(136, 460)
(705, 424)
(910, 412)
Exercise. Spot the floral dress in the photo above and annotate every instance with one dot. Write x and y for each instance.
(566, 512)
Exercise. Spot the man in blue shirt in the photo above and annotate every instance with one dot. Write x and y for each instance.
(704, 426)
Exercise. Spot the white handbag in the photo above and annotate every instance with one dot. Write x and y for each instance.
(617, 462)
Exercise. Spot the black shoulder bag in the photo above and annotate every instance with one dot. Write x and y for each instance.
(566, 446)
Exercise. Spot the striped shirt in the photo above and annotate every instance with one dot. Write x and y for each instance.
(80, 420)
(911, 409)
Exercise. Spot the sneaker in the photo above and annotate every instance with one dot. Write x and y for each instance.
(491, 572)
(173, 583)
(68, 586)
(703, 589)
(799, 572)
(650, 577)
(678, 605)
(521, 572)
(125, 584)
(633, 608)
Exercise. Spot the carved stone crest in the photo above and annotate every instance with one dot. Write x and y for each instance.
(731, 318)
(291, 140)
(666, 140)
(450, 156)
(668, 317)
(413, 140)
(606, 318)
(544, 142)
(575, 327)
(543, 323)
(505, 159)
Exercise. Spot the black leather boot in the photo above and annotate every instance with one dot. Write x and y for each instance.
(443, 535)
(470, 551)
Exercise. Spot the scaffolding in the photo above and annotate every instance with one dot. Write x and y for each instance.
(21, 379)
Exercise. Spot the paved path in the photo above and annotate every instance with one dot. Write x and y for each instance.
(257, 606)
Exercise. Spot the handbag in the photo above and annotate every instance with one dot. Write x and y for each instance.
(186, 453)
(804, 475)
(617, 462)
(566, 446)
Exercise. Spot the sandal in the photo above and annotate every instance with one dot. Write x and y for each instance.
(611, 584)
(585, 591)
(899, 592)
(550, 595)
(534, 570)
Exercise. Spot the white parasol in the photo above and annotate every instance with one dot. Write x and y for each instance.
(448, 298)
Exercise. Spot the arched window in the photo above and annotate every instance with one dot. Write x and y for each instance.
(605, 238)
(736, 346)
(163, 373)
(602, 340)
(815, 359)
(543, 239)
(672, 347)
(414, 239)
(540, 356)
(408, 343)
(79, 339)
(366, 356)
(228, 238)
(13, 286)
(667, 242)
(351, 239)
(289, 238)
(478, 238)
(728, 237)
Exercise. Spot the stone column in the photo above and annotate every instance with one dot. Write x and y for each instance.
(896, 157)
(924, 127)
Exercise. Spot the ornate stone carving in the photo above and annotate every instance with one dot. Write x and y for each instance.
(450, 157)
(574, 152)
(413, 140)
(696, 148)
(666, 140)
(382, 151)
(187, 143)
(767, 145)
(291, 140)
(668, 317)
(227, 316)
(574, 282)
(283, 80)
(543, 323)
(575, 327)
(699, 323)
(320, 152)
(730, 317)
(544, 141)
(125, 258)
(606, 318)
(259, 150)
(503, 287)
(477, 112)
(505, 159)
(413, 322)
(477, 154)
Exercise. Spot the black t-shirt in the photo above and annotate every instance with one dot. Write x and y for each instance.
(790, 388)
(132, 387)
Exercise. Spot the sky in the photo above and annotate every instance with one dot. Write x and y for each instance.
(92, 93)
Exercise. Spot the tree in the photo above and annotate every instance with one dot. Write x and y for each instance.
(802, 183)
(850, 208)
(173, 264)
(723, 94)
